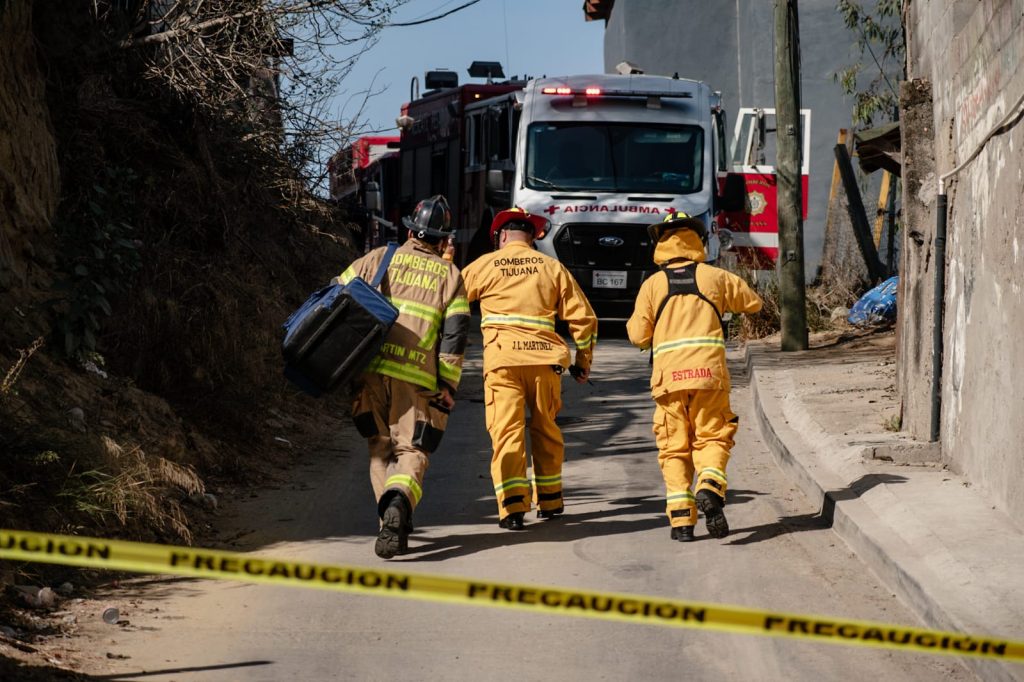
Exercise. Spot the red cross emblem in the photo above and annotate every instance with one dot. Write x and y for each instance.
(551, 210)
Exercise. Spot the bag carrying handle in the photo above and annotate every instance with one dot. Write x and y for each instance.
(383, 267)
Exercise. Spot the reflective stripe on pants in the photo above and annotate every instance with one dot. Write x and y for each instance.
(694, 430)
(508, 392)
(403, 425)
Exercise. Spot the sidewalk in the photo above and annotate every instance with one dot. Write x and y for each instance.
(930, 536)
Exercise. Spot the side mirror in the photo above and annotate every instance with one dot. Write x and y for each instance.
(495, 180)
(374, 198)
(762, 130)
(734, 194)
(725, 239)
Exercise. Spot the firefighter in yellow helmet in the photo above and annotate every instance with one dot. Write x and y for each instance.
(678, 314)
(404, 398)
(521, 292)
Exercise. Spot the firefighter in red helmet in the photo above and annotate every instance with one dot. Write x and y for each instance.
(527, 222)
(521, 293)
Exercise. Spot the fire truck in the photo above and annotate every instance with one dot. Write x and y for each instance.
(363, 177)
(750, 222)
(453, 139)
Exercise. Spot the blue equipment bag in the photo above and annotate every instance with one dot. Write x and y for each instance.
(335, 334)
(876, 306)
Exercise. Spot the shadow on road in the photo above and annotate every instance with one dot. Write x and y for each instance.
(566, 528)
(784, 526)
(734, 497)
(12, 669)
(178, 671)
(823, 520)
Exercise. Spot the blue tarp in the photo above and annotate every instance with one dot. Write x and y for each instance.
(876, 306)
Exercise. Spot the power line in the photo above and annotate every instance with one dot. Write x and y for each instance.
(436, 9)
(434, 18)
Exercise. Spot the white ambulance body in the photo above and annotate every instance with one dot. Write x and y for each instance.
(602, 157)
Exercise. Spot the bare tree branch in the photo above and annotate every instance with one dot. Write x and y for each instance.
(272, 66)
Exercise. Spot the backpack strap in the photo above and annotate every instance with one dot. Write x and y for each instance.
(378, 277)
(682, 281)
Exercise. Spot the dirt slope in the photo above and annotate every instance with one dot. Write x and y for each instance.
(148, 255)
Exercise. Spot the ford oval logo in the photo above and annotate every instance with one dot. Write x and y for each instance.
(611, 241)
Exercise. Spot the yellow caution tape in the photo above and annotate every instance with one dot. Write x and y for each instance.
(206, 563)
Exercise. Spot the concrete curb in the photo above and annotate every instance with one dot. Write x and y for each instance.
(896, 563)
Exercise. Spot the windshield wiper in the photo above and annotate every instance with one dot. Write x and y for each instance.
(548, 184)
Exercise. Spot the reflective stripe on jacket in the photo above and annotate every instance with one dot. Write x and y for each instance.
(521, 292)
(426, 344)
(689, 347)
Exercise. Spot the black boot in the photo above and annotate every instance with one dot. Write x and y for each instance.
(550, 513)
(711, 504)
(395, 524)
(513, 521)
(682, 533)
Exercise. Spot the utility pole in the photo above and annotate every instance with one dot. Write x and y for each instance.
(789, 139)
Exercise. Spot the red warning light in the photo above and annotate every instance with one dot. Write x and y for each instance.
(593, 92)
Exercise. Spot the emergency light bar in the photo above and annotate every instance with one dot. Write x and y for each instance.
(598, 92)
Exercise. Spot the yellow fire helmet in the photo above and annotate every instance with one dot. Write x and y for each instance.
(677, 220)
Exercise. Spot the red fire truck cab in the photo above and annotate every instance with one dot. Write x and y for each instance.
(368, 166)
(452, 139)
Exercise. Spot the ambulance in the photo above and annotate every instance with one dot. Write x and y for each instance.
(603, 156)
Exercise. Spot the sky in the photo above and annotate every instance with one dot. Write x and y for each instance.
(534, 37)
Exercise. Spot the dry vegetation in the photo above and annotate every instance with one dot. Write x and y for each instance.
(141, 360)
(822, 299)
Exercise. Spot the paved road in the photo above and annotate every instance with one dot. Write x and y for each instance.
(614, 537)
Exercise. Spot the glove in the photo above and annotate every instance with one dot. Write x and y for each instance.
(576, 371)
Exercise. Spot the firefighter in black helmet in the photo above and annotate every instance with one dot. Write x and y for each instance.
(431, 220)
(403, 399)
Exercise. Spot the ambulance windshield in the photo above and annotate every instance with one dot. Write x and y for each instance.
(615, 157)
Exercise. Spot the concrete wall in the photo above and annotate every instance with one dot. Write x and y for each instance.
(729, 45)
(971, 52)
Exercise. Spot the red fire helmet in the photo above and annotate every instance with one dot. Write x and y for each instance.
(539, 224)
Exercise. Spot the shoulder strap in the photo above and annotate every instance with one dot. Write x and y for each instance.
(682, 281)
(384, 263)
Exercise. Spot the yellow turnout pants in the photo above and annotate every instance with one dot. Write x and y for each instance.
(508, 391)
(403, 423)
(694, 431)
